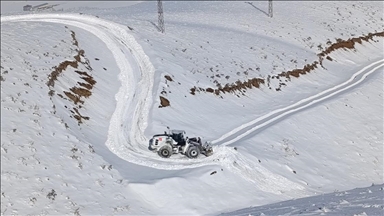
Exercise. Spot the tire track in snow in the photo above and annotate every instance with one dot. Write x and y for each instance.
(277, 115)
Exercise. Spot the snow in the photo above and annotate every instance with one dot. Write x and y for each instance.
(360, 201)
(17, 6)
(316, 134)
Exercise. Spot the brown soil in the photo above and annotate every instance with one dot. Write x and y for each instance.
(76, 99)
(76, 94)
(193, 90)
(239, 86)
(74, 39)
(58, 70)
(81, 92)
(164, 102)
(168, 78)
(85, 85)
(296, 72)
(89, 80)
(350, 43)
(79, 117)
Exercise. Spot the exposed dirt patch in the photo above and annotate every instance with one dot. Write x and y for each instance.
(82, 92)
(78, 116)
(193, 90)
(76, 94)
(239, 86)
(86, 77)
(164, 102)
(74, 40)
(59, 69)
(85, 85)
(167, 77)
(76, 99)
(350, 43)
(296, 72)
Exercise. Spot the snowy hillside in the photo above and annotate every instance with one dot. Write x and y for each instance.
(360, 201)
(293, 105)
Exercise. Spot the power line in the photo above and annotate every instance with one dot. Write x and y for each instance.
(270, 12)
(160, 15)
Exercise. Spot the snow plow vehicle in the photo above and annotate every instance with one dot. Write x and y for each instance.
(176, 142)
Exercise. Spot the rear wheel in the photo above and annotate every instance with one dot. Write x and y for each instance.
(193, 152)
(165, 151)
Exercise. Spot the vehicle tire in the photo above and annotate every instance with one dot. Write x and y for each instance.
(165, 151)
(193, 152)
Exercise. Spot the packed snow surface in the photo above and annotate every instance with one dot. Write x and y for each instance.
(83, 91)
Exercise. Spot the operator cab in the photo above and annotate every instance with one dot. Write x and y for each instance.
(179, 137)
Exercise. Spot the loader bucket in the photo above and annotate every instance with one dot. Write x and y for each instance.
(208, 149)
(209, 152)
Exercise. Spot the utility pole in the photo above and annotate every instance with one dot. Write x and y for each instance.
(161, 16)
(270, 12)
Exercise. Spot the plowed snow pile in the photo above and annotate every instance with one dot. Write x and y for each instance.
(293, 105)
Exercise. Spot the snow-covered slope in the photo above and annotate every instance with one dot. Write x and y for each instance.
(83, 93)
(358, 202)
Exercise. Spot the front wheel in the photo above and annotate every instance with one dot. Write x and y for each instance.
(193, 152)
(165, 151)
